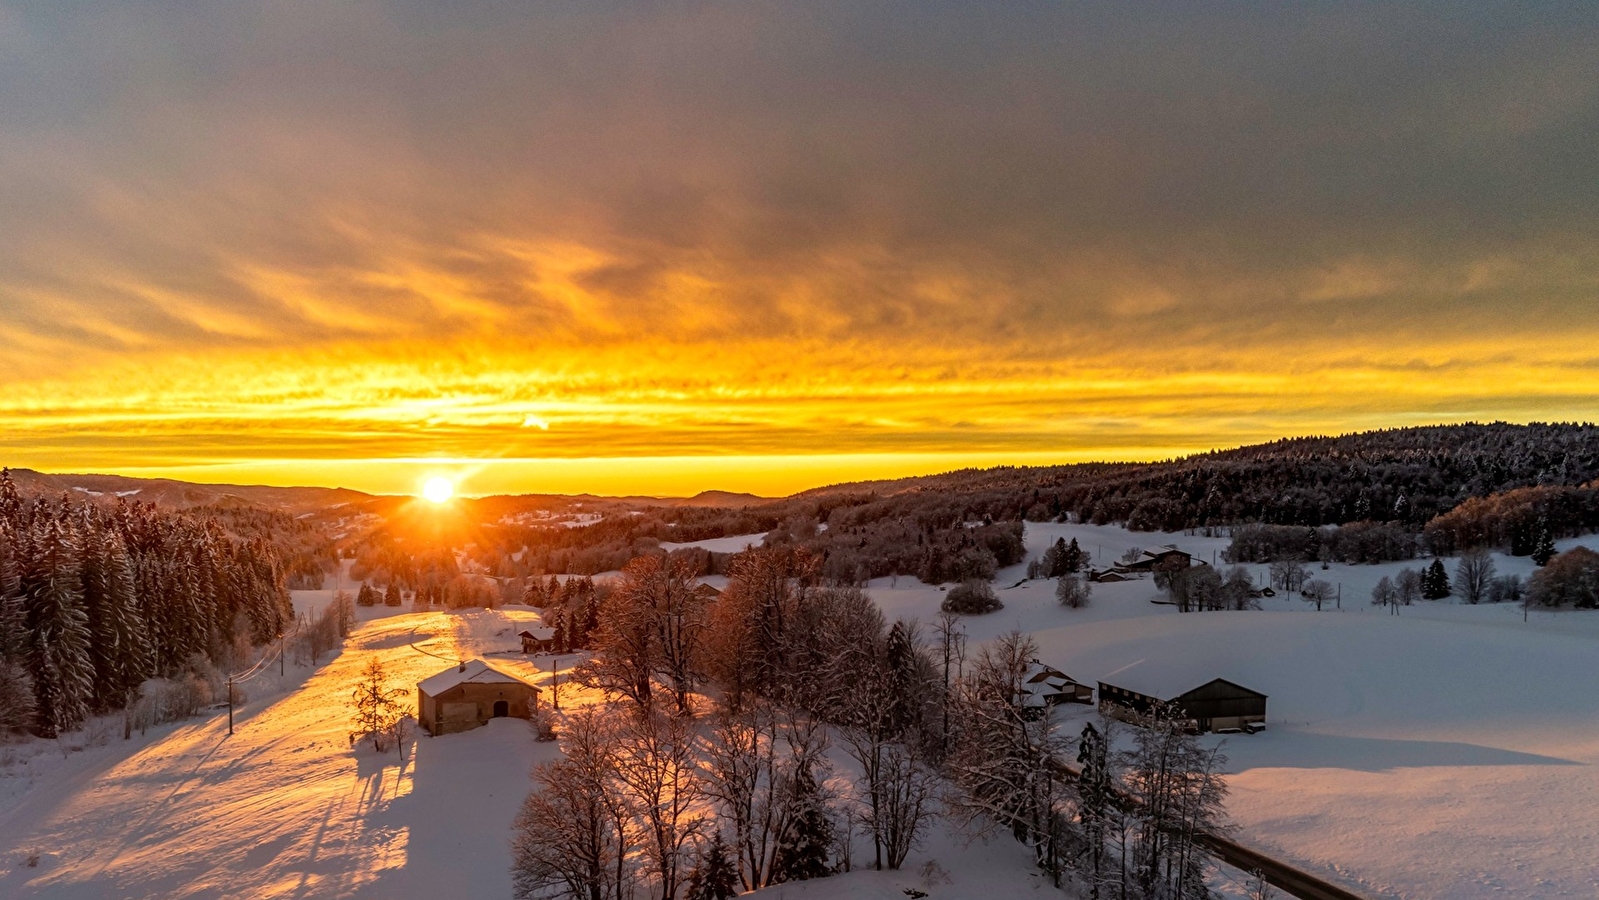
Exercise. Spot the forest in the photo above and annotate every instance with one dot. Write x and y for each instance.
(97, 598)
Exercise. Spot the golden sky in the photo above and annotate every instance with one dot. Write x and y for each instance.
(659, 248)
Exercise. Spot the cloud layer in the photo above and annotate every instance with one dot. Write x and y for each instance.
(286, 236)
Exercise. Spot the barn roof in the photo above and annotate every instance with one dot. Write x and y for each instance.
(1169, 679)
(474, 671)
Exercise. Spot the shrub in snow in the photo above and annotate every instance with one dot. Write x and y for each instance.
(972, 598)
(1072, 591)
(1570, 579)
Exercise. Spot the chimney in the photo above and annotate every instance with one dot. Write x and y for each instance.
(463, 666)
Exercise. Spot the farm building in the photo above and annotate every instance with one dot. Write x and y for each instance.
(1108, 576)
(1216, 705)
(538, 639)
(465, 696)
(1167, 557)
(1045, 686)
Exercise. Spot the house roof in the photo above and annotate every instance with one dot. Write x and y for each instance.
(474, 671)
(538, 633)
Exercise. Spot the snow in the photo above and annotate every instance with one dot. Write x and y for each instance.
(1447, 753)
(284, 807)
(732, 544)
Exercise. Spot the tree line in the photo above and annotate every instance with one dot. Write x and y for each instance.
(95, 599)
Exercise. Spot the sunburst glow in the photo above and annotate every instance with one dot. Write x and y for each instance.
(438, 489)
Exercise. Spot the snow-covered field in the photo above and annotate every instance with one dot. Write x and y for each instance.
(1450, 752)
(731, 544)
(283, 807)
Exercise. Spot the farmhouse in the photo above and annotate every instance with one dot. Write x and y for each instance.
(1045, 686)
(538, 639)
(1108, 576)
(465, 696)
(1216, 705)
(1167, 557)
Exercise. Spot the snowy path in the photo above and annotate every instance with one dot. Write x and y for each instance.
(283, 808)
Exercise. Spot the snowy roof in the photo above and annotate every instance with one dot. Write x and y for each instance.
(475, 671)
(538, 633)
(1167, 679)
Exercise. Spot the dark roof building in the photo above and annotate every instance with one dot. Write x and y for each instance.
(1159, 558)
(538, 639)
(1216, 705)
(1045, 686)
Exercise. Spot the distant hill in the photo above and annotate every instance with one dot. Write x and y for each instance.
(182, 494)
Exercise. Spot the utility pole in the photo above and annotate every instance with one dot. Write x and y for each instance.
(281, 648)
(556, 689)
(1340, 595)
(230, 707)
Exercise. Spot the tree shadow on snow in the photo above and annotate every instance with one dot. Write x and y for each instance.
(1300, 750)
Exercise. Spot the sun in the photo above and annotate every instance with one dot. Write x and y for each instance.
(438, 489)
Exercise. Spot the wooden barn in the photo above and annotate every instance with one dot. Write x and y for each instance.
(538, 639)
(1045, 686)
(1216, 705)
(468, 695)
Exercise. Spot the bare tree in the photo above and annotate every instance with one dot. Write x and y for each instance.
(1385, 594)
(657, 767)
(1238, 589)
(379, 709)
(573, 837)
(746, 774)
(1289, 574)
(905, 806)
(1004, 756)
(1177, 793)
(952, 650)
(1407, 586)
(649, 626)
(1317, 591)
(1474, 575)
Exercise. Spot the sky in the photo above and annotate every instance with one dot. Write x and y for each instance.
(666, 247)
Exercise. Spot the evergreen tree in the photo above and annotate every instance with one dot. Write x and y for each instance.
(804, 852)
(12, 642)
(1544, 550)
(16, 697)
(714, 877)
(1074, 558)
(1435, 582)
(534, 595)
(391, 597)
(366, 596)
(1095, 796)
(57, 632)
(119, 645)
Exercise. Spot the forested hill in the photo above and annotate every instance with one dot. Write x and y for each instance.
(1408, 475)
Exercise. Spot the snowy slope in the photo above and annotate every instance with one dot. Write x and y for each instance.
(284, 808)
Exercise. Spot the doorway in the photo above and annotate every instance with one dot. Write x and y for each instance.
(501, 709)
